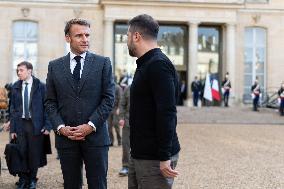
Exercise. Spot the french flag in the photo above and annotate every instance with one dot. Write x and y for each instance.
(215, 90)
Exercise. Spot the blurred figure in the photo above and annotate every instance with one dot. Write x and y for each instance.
(124, 107)
(29, 122)
(195, 88)
(113, 118)
(182, 95)
(226, 87)
(281, 96)
(255, 93)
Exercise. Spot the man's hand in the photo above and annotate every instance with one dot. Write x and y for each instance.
(13, 135)
(166, 170)
(6, 126)
(66, 131)
(121, 123)
(80, 132)
(117, 111)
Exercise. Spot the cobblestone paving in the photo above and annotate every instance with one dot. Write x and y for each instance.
(214, 156)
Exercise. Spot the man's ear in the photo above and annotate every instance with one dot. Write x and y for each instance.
(67, 38)
(137, 36)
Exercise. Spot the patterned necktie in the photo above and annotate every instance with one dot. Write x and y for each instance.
(76, 72)
(26, 101)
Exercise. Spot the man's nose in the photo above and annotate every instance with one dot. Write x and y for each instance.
(85, 38)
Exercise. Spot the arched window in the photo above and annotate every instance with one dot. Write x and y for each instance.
(25, 47)
(254, 59)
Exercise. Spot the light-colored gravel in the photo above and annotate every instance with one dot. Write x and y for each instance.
(213, 156)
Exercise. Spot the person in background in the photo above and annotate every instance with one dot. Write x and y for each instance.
(255, 93)
(226, 87)
(281, 96)
(124, 106)
(195, 89)
(29, 122)
(113, 118)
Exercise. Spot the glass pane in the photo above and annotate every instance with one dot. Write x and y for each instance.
(260, 37)
(248, 37)
(248, 54)
(124, 64)
(171, 40)
(31, 49)
(261, 80)
(208, 51)
(18, 30)
(255, 56)
(248, 67)
(248, 80)
(31, 30)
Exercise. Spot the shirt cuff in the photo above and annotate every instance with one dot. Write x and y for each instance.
(92, 125)
(60, 126)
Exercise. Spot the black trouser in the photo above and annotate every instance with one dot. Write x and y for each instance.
(281, 109)
(226, 97)
(255, 102)
(96, 165)
(32, 147)
(195, 98)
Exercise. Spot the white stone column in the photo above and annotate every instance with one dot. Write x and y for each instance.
(231, 55)
(192, 56)
(108, 38)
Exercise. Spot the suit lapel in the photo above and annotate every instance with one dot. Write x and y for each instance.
(86, 69)
(33, 89)
(67, 71)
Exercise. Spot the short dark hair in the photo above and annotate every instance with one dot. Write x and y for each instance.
(28, 65)
(145, 25)
(75, 21)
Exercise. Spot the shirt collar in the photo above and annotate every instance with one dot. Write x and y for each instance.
(72, 55)
(148, 55)
(29, 81)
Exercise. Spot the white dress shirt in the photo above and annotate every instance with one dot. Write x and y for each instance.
(73, 62)
(72, 67)
(30, 83)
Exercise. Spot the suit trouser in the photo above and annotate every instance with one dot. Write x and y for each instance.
(281, 109)
(255, 102)
(146, 174)
(113, 123)
(96, 165)
(195, 98)
(226, 98)
(125, 146)
(32, 147)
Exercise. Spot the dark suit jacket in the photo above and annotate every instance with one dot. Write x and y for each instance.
(92, 100)
(38, 114)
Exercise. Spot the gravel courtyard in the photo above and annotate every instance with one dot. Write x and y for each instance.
(213, 156)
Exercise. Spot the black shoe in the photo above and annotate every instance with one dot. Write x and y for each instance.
(22, 185)
(32, 185)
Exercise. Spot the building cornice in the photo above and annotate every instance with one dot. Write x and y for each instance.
(48, 4)
(176, 3)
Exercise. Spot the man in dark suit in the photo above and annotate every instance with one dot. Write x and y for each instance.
(195, 89)
(80, 97)
(28, 122)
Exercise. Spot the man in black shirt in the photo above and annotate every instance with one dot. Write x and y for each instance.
(153, 95)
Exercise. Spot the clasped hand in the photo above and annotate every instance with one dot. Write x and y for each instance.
(76, 133)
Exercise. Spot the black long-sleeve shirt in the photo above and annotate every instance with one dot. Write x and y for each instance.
(153, 96)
